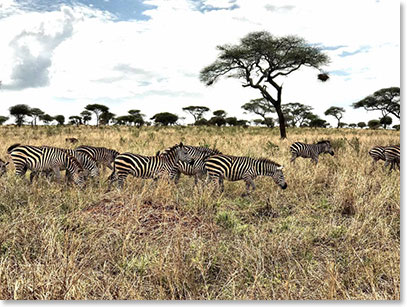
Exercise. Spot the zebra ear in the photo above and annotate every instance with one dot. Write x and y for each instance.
(280, 167)
(181, 145)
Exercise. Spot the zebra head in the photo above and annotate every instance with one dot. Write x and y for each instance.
(326, 147)
(182, 154)
(3, 167)
(278, 177)
(77, 172)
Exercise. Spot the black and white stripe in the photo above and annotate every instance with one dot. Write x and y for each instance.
(234, 168)
(197, 167)
(102, 156)
(88, 164)
(147, 166)
(312, 151)
(392, 156)
(377, 153)
(42, 159)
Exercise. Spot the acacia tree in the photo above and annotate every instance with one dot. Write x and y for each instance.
(261, 107)
(386, 121)
(60, 119)
(106, 117)
(35, 114)
(165, 118)
(296, 113)
(75, 120)
(259, 60)
(20, 111)
(196, 111)
(46, 119)
(136, 117)
(386, 100)
(3, 119)
(336, 112)
(97, 109)
(86, 116)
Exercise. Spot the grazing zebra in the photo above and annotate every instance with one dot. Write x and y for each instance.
(147, 166)
(243, 168)
(312, 151)
(392, 156)
(377, 153)
(3, 167)
(88, 164)
(38, 159)
(103, 156)
(197, 167)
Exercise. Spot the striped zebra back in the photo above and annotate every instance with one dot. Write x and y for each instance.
(199, 155)
(148, 166)
(377, 153)
(99, 154)
(44, 159)
(311, 150)
(392, 153)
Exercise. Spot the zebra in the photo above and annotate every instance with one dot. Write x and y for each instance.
(392, 156)
(88, 164)
(3, 167)
(38, 159)
(377, 153)
(312, 151)
(147, 166)
(197, 167)
(103, 156)
(234, 168)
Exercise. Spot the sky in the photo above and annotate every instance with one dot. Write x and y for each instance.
(60, 55)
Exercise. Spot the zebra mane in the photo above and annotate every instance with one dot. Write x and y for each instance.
(168, 150)
(324, 142)
(268, 161)
(10, 149)
(213, 151)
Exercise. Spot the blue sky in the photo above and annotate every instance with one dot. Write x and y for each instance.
(133, 54)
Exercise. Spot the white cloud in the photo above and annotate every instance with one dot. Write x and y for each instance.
(81, 55)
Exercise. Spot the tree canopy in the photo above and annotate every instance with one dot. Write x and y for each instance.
(196, 111)
(259, 59)
(165, 118)
(20, 111)
(97, 109)
(336, 112)
(386, 100)
(296, 113)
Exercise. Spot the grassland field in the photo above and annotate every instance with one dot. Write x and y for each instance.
(334, 233)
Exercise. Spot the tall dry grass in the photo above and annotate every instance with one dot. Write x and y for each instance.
(334, 233)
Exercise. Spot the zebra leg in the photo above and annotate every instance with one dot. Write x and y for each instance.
(315, 159)
(222, 186)
(32, 175)
(177, 176)
(57, 173)
(294, 156)
(249, 183)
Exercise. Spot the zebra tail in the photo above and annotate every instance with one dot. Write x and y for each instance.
(10, 149)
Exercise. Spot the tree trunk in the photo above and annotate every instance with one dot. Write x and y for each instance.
(281, 122)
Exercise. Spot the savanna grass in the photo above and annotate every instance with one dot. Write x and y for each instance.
(334, 233)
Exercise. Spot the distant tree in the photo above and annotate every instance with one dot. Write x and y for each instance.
(231, 121)
(260, 59)
(386, 100)
(106, 117)
(361, 125)
(374, 124)
(86, 116)
(316, 122)
(35, 114)
(385, 121)
(75, 120)
(97, 109)
(123, 120)
(218, 121)
(220, 113)
(259, 106)
(268, 121)
(396, 127)
(257, 121)
(336, 112)
(46, 119)
(3, 119)
(343, 125)
(60, 119)
(165, 118)
(196, 111)
(201, 122)
(352, 125)
(137, 117)
(20, 111)
(242, 123)
(296, 113)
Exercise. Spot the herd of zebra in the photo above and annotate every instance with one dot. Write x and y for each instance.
(85, 161)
